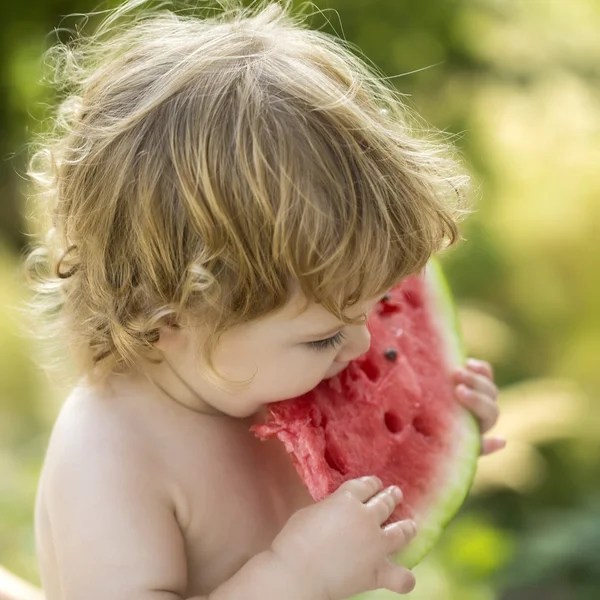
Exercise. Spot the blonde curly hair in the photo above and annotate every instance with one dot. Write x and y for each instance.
(196, 164)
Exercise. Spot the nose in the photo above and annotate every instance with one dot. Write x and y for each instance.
(357, 342)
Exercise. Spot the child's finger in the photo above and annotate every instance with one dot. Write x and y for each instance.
(398, 534)
(477, 382)
(362, 488)
(383, 504)
(395, 578)
(491, 445)
(485, 409)
(480, 366)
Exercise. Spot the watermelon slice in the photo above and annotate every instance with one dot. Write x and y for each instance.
(392, 413)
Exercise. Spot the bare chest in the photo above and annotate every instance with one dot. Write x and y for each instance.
(238, 507)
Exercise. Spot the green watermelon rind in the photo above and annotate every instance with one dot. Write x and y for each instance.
(454, 495)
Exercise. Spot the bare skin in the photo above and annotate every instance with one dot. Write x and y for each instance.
(14, 588)
(154, 489)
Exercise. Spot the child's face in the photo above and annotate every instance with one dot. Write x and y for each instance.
(277, 347)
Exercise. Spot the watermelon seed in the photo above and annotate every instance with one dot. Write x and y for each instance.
(392, 422)
(422, 427)
(391, 354)
(386, 297)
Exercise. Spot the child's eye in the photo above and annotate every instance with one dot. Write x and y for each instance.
(328, 343)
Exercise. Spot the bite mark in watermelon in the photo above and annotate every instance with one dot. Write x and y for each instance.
(392, 413)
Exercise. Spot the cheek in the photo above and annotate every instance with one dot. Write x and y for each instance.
(297, 374)
(312, 363)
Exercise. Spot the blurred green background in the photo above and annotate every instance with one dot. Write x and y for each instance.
(518, 82)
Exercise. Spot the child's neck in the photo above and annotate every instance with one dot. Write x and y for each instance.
(163, 381)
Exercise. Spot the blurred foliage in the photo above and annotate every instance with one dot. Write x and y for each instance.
(517, 84)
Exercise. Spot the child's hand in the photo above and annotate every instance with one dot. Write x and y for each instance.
(337, 547)
(476, 391)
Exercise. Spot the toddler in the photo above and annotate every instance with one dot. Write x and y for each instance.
(227, 198)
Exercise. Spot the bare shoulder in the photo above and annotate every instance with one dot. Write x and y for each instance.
(94, 430)
(153, 444)
(104, 500)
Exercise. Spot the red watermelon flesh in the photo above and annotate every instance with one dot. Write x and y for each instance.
(391, 413)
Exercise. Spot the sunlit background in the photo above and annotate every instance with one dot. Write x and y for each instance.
(518, 83)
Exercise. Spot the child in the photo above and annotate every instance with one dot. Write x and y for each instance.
(229, 198)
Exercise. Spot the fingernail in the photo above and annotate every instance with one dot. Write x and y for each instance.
(371, 479)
